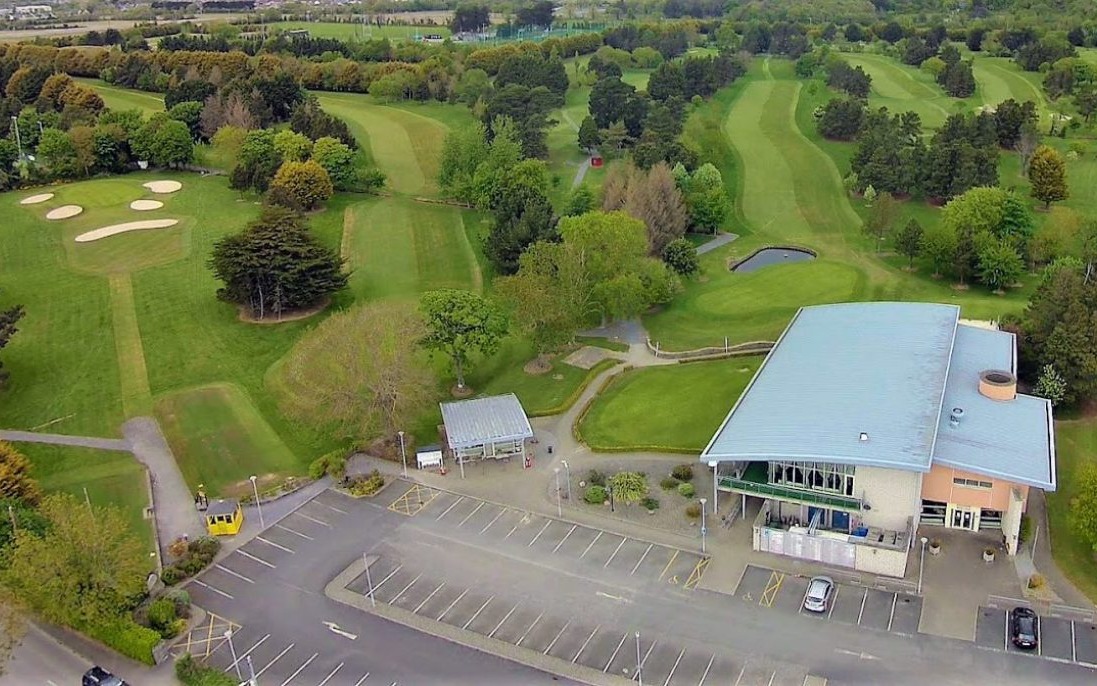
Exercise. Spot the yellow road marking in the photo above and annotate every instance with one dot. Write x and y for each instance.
(696, 574)
(415, 499)
(672, 559)
(773, 587)
(202, 640)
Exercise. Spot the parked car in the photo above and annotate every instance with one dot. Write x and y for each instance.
(1024, 628)
(97, 676)
(819, 593)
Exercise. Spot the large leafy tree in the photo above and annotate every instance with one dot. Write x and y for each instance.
(1047, 172)
(707, 198)
(523, 215)
(337, 159)
(16, 482)
(257, 162)
(96, 566)
(276, 265)
(908, 242)
(301, 185)
(8, 319)
(653, 198)
(460, 324)
(359, 373)
(999, 264)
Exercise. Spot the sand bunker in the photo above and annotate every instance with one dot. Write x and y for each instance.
(35, 199)
(163, 186)
(105, 231)
(145, 205)
(64, 212)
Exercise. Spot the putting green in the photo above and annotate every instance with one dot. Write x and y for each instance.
(219, 438)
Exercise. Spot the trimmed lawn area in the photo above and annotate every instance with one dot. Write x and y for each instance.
(358, 31)
(671, 408)
(111, 478)
(900, 87)
(1076, 443)
(218, 435)
(124, 98)
(999, 78)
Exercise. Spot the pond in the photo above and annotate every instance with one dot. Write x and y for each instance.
(770, 256)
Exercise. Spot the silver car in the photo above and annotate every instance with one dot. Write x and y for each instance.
(820, 591)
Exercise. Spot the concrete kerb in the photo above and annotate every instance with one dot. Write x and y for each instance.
(337, 590)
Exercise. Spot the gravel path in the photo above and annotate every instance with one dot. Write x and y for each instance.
(173, 501)
(63, 439)
(720, 240)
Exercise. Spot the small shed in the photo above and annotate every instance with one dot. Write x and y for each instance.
(482, 428)
(224, 518)
(428, 456)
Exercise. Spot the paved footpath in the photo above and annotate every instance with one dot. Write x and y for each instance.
(173, 504)
(64, 439)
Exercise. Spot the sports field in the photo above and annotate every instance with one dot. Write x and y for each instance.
(358, 31)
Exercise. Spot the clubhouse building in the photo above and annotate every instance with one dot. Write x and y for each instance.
(870, 420)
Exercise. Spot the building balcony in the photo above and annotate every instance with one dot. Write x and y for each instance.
(755, 481)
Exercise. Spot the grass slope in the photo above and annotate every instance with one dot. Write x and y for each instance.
(900, 88)
(694, 398)
(1076, 443)
(125, 99)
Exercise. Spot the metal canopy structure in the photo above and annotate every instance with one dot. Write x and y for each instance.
(486, 427)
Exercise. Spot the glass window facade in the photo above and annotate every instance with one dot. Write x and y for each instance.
(814, 476)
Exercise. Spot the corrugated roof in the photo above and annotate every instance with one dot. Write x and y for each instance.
(484, 420)
(842, 370)
(1011, 440)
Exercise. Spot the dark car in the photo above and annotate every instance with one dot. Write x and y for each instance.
(1024, 628)
(97, 676)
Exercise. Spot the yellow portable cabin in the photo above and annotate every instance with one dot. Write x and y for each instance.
(224, 518)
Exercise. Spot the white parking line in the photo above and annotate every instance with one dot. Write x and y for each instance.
(707, 668)
(891, 618)
(439, 517)
(257, 559)
(645, 660)
(420, 605)
(452, 604)
(740, 675)
(488, 525)
(834, 600)
(313, 519)
(572, 529)
(247, 652)
(519, 643)
(328, 677)
(274, 545)
(215, 590)
(558, 635)
(547, 525)
(331, 507)
(667, 682)
(584, 646)
(226, 570)
(276, 659)
(362, 680)
(382, 583)
(619, 546)
(772, 677)
(300, 669)
(402, 592)
(473, 618)
(1039, 644)
(503, 620)
(615, 651)
(862, 611)
(591, 544)
(295, 533)
(638, 562)
(470, 514)
(1073, 643)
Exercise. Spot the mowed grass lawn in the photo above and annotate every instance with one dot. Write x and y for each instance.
(674, 407)
(124, 98)
(1076, 443)
(358, 31)
(111, 478)
(900, 87)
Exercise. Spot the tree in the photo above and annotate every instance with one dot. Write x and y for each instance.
(301, 185)
(97, 566)
(463, 152)
(629, 487)
(15, 479)
(1048, 175)
(337, 160)
(474, 86)
(523, 215)
(842, 118)
(275, 265)
(681, 256)
(470, 17)
(654, 199)
(580, 201)
(1010, 119)
(190, 113)
(939, 246)
(8, 319)
(589, 136)
(539, 312)
(163, 141)
(56, 151)
(1083, 506)
(999, 264)
(292, 146)
(1050, 385)
(707, 198)
(257, 162)
(909, 240)
(1085, 99)
(358, 374)
(460, 323)
(881, 217)
(608, 99)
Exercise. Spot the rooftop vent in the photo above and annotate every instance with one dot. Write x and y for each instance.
(863, 437)
(955, 417)
(997, 384)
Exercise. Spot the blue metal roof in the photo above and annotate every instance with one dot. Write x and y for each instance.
(1011, 440)
(491, 419)
(840, 371)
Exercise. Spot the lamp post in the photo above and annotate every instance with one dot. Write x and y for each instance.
(232, 649)
(567, 476)
(922, 563)
(559, 509)
(704, 530)
(403, 453)
(258, 505)
(639, 667)
(252, 681)
(18, 139)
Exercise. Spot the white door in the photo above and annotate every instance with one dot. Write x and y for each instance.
(963, 518)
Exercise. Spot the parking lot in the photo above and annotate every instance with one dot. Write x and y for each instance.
(538, 538)
(1062, 638)
(870, 608)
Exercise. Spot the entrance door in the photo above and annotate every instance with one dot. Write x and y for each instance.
(839, 520)
(964, 518)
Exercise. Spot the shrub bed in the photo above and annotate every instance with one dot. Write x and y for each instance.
(363, 486)
(195, 556)
(191, 672)
(127, 637)
(595, 495)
